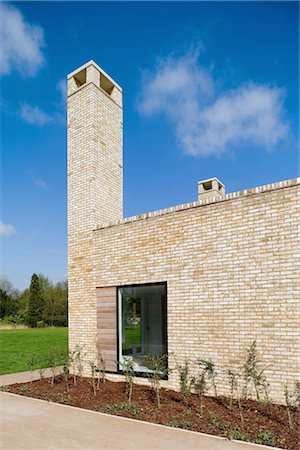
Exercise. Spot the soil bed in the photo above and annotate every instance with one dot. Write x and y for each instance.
(260, 425)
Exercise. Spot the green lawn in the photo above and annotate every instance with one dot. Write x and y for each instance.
(17, 345)
(132, 336)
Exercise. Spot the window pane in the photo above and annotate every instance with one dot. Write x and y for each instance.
(142, 322)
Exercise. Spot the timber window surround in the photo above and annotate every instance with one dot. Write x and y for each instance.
(142, 323)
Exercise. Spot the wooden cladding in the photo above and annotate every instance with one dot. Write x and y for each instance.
(107, 326)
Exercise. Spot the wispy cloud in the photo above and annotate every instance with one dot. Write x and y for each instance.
(34, 115)
(40, 183)
(21, 43)
(61, 86)
(206, 123)
(6, 230)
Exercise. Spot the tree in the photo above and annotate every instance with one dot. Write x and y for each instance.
(9, 299)
(35, 302)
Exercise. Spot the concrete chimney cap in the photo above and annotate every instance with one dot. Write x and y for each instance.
(92, 63)
(207, 180)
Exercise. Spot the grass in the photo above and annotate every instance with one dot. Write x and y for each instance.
(132, 336)
(17, 345)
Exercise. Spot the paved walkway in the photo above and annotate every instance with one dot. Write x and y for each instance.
(24, 377)
(32, 424)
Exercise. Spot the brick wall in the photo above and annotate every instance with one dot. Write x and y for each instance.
(231, 271)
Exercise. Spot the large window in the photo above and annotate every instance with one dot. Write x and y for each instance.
(142, 313)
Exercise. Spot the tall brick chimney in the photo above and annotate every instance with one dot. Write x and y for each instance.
(95, 173)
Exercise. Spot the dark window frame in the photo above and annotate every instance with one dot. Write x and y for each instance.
(164, 283)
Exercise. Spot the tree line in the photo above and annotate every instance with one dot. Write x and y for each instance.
(42, 304)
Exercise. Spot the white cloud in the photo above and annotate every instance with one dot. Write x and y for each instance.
(6, 230)
(34, 115)
(40, 183)
(207, 124)
(21, 43)
(61, 86)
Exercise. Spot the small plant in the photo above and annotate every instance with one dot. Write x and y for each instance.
(118, 407)
(234, 391)
(24, 388)
(4, 389)
(72, 364)
(128, 368)
(159, 366)
(53, 358)
(185, 424)
(185, 381)
(212, 419)
(297, 393)
(209, 369)
(65, 372)
(93, 368)
(41, 373)
(200, 387)
(288, 403)
(223, 426)
(100, 367)
(78, 360)
(32, 360)
(266, 437)
(254, 373)
(238, 435)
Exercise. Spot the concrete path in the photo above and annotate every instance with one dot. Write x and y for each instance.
(24, 377)
(32, 424)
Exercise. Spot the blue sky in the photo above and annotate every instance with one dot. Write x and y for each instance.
(210, 89)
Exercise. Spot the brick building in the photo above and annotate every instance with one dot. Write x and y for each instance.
(203, 279)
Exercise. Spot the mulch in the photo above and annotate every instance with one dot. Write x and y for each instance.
(268, 426)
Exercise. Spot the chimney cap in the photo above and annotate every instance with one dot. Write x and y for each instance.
(92, 63)
(208, 180)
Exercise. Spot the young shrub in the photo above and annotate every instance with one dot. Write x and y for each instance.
(41, 372)
(252, 372)
(288, 403)
(200, 387)
(65, 372)
(32, 360)
(52, 362)
(72, 364)
(185, 381)
(100, 367)
(93, 373)
(78, 359)
(159, 366)
(209, 369)
(234, 390)
(128, 368)
(297, 393)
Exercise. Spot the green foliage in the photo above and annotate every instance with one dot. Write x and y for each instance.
(128, 368)
(254, 373)
(212, 418)
(238, 435)
(266, 437)
(159, 366)
(185, 424)
(199, 383)
(42, 304)
(32, 361)
(210, 372)
(35, 302)
(185, 381)
(119, 407)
